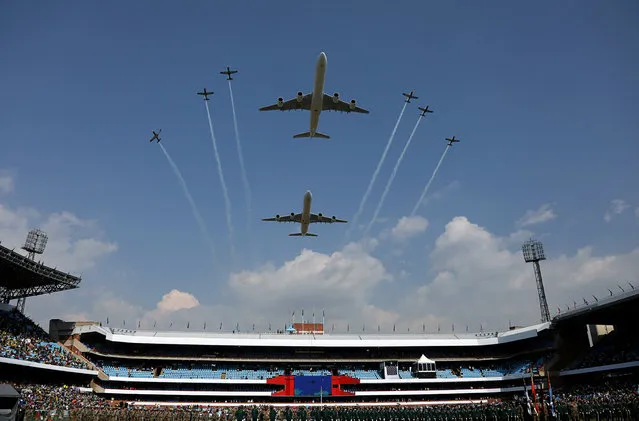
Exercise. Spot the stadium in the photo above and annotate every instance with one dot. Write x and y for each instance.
(583, 363)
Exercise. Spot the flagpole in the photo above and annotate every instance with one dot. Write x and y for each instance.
(323, 320)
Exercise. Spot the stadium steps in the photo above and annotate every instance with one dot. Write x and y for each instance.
(96, 387)
(77, 344)
(78, 355)
(102, 375)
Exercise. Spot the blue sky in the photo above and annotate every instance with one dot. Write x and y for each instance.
(544, 97)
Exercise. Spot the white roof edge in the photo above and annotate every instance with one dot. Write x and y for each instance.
(52, 367)
(318, 341)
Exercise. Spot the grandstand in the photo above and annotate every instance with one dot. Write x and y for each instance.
(594, 344)
(281, 368)
(608, 344)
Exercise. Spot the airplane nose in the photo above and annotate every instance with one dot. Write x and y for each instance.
(308, 193)
(322, 57)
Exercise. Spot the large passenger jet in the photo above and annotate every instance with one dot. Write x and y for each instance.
(316, 101)
(305, 218)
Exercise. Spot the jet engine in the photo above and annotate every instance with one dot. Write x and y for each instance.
(335, 98)
(280, 102)
(277, 217)
(353, 104)
(300, 96)
(320, 214)
(334, 218)
(292, 213)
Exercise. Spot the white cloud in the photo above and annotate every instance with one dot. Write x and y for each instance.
(409, 226)
(471, 277)
(177, 300)
(73, 244)
(617, 207)
(341, 283)
(532, 217)
(478, 277)
(6, 183)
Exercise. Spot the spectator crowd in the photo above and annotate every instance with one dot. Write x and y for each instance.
(22, 339)
(608, 401)
(614, 348)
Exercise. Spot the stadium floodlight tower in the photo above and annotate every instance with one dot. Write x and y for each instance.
(35, 243)
(534, 252)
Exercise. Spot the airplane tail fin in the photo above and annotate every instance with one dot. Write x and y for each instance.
(308, 134)
(299, 234)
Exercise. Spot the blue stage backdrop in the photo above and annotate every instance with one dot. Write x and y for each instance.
(312, 386)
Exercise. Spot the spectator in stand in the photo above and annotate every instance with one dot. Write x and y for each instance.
(21, 339)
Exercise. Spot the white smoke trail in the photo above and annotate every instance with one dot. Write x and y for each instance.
(247, 188)
(432, 177)
(196, 212)
(376, 173)
(392, 178)
(225, 191)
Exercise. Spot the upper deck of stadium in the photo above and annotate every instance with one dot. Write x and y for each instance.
(152, 337)
(616, 309)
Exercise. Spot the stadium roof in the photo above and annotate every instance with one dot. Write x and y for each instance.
(611, 310)
(23, 277)
(318, 341)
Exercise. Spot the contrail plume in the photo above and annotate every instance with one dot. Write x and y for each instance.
(225, 191)
(247, 188)
(432, 177)
(194, 209)
(376, 173)
(392, 178)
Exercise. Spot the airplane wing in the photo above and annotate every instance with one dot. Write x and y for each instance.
(292, 104)
(285, 218)
(341, 106)
(321, 219)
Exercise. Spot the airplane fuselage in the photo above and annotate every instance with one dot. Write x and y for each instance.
(318, 93)
(306, 212)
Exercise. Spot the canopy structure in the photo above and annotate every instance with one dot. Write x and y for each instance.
(424, 367)
(424, 360)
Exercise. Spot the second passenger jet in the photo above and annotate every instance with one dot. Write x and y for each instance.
(316, 101)
(305, 218)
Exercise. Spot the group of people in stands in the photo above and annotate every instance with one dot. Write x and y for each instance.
(611, 350)
(619, 400)
(57, 397)
(21, 339)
